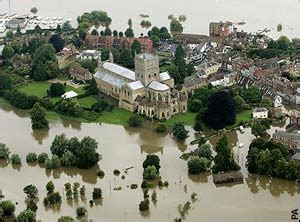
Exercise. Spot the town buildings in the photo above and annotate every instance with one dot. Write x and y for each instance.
(290, 139)
(220, 29)
(260, 113)
(145, 91)
(79, 73)
(209, 68)
(89, 54)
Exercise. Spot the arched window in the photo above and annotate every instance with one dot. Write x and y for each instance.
(152, 113)
(162, 115)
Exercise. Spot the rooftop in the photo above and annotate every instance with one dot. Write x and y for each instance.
(257, 110)
(288, 135)
(136, 85)
(158, 86)
(106, 77)
(146, 56)
(124, 72)
(164, 76)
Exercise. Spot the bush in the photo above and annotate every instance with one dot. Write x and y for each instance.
(133, 186)
(27, 215)
(144, 205)
(97, 193)
(4, 151)
(31, 191)
(52, 163)
(152, 160)
(135, 121)
(161, 128)
(81, 212)
(117, 172)
(100, 173)
(52, 198)
(150, 173)
(42, 157)
(65, 219)
(15, 159)
(32, 206)
(197, 165)
(31, 158)
(56, 89)
(50, 187)
(179, 131)
(8, 207)
(145, 184)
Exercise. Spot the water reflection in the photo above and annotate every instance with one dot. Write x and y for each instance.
(71, 123)
(200, 178)
(150, 149)
(40, 135)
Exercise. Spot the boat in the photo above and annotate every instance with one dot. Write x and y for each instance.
(54, 18)
(60, 19)
(47, 19)
(241, 23)
(144, 16)
(241, 145)
(69, 20)
(242, 129)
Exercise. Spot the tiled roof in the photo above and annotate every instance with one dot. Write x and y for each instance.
(124, 72)
(136, 85)
(158, 86)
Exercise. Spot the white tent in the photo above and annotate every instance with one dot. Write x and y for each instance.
(69, 95)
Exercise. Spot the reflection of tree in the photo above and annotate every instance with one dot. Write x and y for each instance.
(17, 167)
(18, 112)
(74, 124)
(149, 149)
(40, 134)
(275, 186)
(3, 163)
(199, 178)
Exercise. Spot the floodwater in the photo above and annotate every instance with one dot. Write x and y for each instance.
(258, 14)
(259, 198)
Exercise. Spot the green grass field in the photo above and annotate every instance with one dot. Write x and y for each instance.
(39, 89)
(186, 118)
(87, 102)
(117, 116)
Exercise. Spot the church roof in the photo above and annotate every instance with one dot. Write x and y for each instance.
(106, 77)
(158, 86)
(136, 85)
(119, 70)
(146, 56)
(164, 76)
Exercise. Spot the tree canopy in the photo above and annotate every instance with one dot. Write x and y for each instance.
(38, 117)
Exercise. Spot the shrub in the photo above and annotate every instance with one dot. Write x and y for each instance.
(152, 160)
(4, 151)
(144, 205)
(197, 165)
(50, 187)
(31, 158)
(145, 184)
(8, 207)
(117, 172)
(27, 215)
(150, 173)
(179, 131)
(81, 212)
(52, 198)
(56, 89)
(133, 186)
(42, 157)
(48, 164)
(100, 173)
(32, 206)
(161, 128)
(135, 121)
(97, 193)
(31, 191)
(15, 159)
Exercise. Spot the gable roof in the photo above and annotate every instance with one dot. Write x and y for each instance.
(119, 70)
(136, 85)
(164, 76)
(158, 86)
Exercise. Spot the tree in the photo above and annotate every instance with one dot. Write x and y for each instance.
(56, 89)
(57, 42)
(31, 205)
(81, 212)
(42, 158)
(121, 34)
(152, 160)
(15, 159)
(176, 26)
(107, 31)
(38, 117)
(198, 164)
(92, 88)
(161, 127)
(115, 33)
(129, 23)
(126, 58)
(198, 125)
(150, 173)
(266, 102)
(180, 62)
(251, 95)
(27, 215)
(8, 207)
(144, 205)
(224, 160)
(50, 187)
(31, 191)
(9, 35)
(65, 219)
(7, 52)
(205, 151)
(179, 131)
(68, 159)
(182, 18)
(34, 10)
(44, 63)
(31, 157)
(97, 193)
(240, 103)
(129, 33)
(5, 82)
(136, 47)
(4, 151)
(66, 27)
(135, 121)
(220, 111)
(259, 127)
(38, 29)
(87, 155)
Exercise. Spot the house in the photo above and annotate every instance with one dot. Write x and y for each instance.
(145, 90)
(79, 73)
(277, 101)
(15, 23)
(194, 82)
(220, 29)
(190, 38)
(290, 139)
(66, 53)
(209, 68)
(89, 54)
(260, 113)
(69, 95)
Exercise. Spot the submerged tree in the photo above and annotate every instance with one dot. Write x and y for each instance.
(38, 117)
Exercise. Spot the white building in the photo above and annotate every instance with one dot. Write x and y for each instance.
(89, 54)
(277, 102)
(260, 113)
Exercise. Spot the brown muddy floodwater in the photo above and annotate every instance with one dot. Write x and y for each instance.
(259, 198)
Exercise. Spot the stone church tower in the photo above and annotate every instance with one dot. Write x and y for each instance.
(146, 68)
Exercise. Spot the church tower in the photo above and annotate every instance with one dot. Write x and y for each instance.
(146, 67)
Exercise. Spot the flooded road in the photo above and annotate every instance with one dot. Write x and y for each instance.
(257, 14)
(259, 198)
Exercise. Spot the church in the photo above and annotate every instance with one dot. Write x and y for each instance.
(145, 91)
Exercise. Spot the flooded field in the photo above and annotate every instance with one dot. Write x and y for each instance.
(258, 198)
